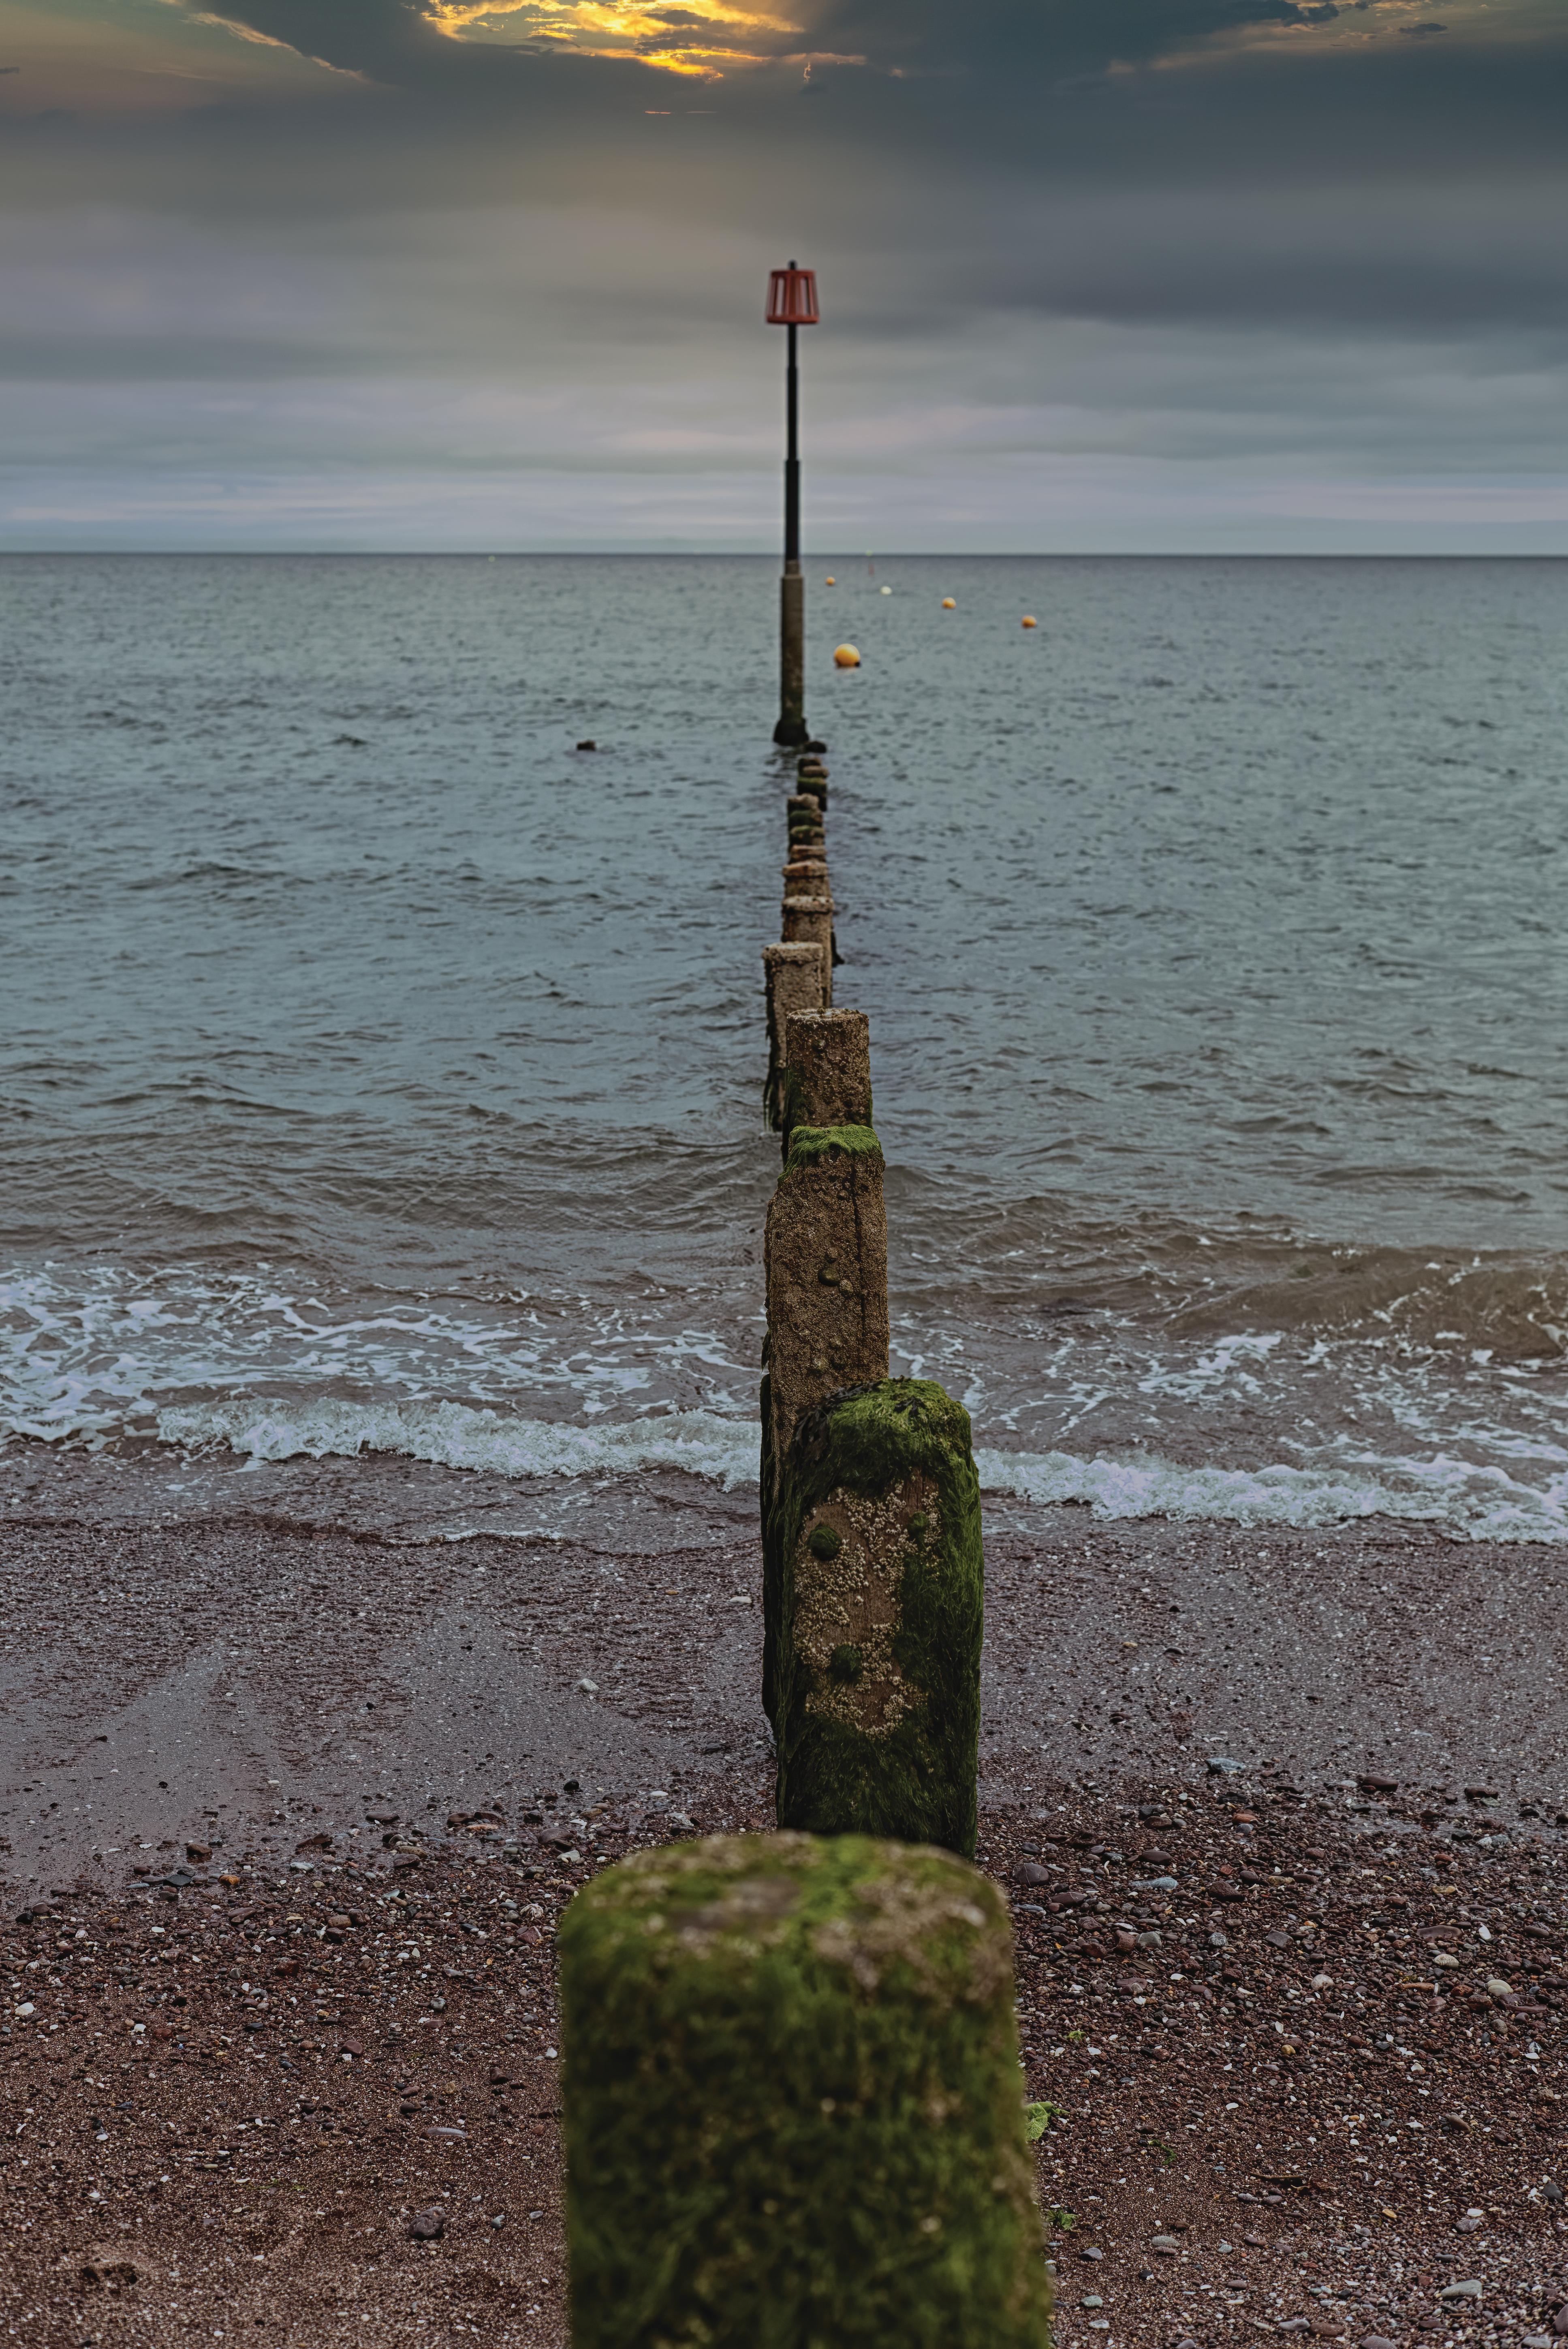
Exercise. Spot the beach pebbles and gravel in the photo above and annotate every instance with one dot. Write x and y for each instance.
(294, 1813)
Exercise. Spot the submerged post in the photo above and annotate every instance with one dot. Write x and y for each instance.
(809, 921)
(792, 302)
(795, 976)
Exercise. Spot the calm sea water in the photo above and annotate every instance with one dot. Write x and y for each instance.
(379, 1071)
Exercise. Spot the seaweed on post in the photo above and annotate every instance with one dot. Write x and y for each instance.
(792, 2109)
(873, 1611)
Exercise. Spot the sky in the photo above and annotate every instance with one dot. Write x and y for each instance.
(1095, 276)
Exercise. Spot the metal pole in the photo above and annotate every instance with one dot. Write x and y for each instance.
(791, 728)
(792, 458)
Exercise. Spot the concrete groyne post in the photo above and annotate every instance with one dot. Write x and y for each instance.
(791, 2096)
(825, 1270)
(795, 980)
(873, 1577)
(875, 1614)
(809, 921)
(804, 814)
(825, 1264)
(826, 1077)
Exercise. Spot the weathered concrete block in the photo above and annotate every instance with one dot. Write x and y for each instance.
(807, 921)
(792, 2112)
(795, 980)
(825, 1259)
(826, 1077)
(873, 1604)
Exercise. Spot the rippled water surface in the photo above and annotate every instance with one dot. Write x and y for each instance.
(378, 1068)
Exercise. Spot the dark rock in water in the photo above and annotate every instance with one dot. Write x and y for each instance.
(817, 748)
(587, 746)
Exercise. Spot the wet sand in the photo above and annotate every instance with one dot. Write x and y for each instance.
(183, 1673)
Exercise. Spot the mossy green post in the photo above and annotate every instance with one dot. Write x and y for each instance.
(873, 1612)
(793, 2117)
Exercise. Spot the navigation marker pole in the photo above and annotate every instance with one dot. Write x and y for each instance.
(791, 303)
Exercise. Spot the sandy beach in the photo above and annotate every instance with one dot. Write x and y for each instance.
(226, 1731)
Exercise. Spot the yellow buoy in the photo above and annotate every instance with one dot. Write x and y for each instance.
(949, 604)
(1030, 621)
(829, 581)
(846, 656)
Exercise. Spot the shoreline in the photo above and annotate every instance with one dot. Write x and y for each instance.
(245, 1683)
(269, 1654)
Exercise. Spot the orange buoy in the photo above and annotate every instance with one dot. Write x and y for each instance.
(949, 604)
(1030, 621)
(829, 581)
(846, 656)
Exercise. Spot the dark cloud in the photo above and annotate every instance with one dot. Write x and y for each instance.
(399, 42)
(1067, 251)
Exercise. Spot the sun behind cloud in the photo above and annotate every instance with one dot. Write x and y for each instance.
(708, 40)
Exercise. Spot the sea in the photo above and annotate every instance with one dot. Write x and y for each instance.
(381, 1069)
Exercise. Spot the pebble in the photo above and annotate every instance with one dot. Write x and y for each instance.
(1378, 2341)
(1166, 2245)
(1469, 2289)
(427, 2226)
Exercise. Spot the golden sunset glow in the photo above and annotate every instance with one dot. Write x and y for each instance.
(704, 41)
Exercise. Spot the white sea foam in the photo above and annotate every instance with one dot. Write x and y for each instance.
(457, 1435)
(262, 1364)
(1482, 1504)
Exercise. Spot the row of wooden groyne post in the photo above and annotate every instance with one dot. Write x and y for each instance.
(793, 2098)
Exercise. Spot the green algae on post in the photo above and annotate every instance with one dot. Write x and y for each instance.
(827, 1075)
(873, 1610)
(792, 2110)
